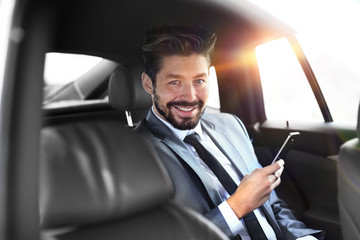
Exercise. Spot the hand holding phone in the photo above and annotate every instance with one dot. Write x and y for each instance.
(286, 146)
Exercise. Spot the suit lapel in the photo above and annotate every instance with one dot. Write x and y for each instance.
(167, 137)
(227, 148)
(183, 152)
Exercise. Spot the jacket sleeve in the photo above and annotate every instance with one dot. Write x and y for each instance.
(216, 217)
(289, 225)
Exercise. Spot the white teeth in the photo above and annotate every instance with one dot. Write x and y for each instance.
(186, 109)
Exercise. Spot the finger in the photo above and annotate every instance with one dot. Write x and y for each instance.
(279, 172)
(271, 169)
(277, 182)
(275, 177)
(274, 182)
(281, 162)
(272, 178)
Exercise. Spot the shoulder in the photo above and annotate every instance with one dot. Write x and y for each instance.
(226, 123)
(218, 117)
(223, 120)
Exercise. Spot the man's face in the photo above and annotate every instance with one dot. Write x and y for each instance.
(181, 90)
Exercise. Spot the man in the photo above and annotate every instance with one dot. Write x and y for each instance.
(177, 61)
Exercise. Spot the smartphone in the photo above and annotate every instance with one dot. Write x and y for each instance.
(286, 146)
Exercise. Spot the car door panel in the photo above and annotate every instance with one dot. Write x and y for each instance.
(309, 183)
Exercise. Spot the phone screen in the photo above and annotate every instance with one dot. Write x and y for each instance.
(286, 146)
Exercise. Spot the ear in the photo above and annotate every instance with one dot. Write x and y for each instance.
(147, 83)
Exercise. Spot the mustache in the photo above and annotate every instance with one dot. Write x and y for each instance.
(185, 103)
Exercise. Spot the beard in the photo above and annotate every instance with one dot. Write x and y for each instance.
(185, 123)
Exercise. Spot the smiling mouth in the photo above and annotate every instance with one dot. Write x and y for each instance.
(186, 109)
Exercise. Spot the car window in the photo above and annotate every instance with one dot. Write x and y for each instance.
(336, 67)
(287, 94)
(67, 76)
(214, 98)
(331, 46)
(62, 68)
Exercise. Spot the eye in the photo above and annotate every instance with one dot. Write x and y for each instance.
(174, 82)
(199, 81)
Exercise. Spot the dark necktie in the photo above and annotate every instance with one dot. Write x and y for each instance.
(251, 222)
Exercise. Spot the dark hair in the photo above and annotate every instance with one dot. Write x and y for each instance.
(175, 40)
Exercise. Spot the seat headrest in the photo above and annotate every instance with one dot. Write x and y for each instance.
(125, 89)
(97, 171)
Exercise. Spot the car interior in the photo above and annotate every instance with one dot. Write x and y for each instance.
(348, 183)
(98, 180)
(73, 168)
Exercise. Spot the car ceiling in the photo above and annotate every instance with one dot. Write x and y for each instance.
(115, 29)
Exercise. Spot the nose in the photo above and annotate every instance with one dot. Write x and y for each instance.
(188, 93)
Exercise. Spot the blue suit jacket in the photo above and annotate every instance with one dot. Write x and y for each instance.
(192, 185)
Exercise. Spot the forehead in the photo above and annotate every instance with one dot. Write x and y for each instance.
(177, 64)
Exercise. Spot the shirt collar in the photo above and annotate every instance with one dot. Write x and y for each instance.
(181, 134)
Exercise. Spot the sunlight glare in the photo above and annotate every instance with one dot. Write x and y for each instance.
(328, 34)
(286, 95)
(333, 24)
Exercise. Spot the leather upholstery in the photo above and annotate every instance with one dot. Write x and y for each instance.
(98, 180)
(349, 186)
(95, 169)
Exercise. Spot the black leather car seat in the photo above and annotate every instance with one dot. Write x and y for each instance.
(99, 181)
(349, 186)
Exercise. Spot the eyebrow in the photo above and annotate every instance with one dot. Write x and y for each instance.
(172, 75)
(201, 75)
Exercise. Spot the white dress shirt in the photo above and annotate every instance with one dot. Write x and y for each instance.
(235, 225)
